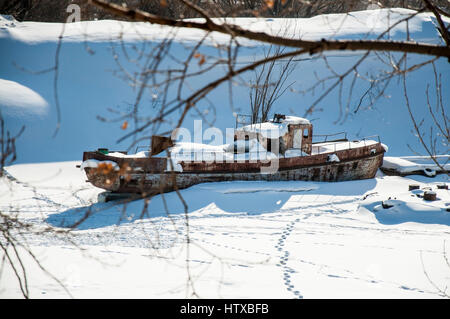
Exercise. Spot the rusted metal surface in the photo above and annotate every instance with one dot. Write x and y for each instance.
(146, 165)
(160, 143)
(283, 163)
(306, 138)
(429, 195)
(148, 175)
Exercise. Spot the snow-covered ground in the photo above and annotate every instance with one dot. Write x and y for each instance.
(371, 22)
(413, 164)
(18, 99)
(248, 239)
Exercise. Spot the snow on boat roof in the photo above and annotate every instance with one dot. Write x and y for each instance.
(273, 129)
(266, 129)
(295, 120)
(196, 146)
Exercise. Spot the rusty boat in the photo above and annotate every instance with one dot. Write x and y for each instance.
(281, 149)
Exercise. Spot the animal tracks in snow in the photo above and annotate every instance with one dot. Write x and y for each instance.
(284, 258)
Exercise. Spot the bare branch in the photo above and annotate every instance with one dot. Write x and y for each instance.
(442, 29)
(312, 46)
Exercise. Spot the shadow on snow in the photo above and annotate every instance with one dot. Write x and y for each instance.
(250, 198)
(404, 212)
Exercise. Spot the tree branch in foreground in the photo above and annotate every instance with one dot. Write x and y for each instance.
(312, 46)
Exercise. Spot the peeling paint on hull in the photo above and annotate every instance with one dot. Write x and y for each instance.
(357, 163)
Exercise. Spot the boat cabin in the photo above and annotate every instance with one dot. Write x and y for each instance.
(280, 134)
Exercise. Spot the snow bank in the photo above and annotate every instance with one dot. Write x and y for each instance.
(407, 211)
(16, 99)
(7, 21)
(315, 28)
(410, 164)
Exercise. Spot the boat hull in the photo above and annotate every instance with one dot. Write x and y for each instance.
(354, 164)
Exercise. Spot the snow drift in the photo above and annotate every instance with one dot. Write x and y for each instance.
(18, 100)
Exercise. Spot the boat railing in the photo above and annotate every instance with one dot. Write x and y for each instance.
(214, 156)
(326, 136)
(324, 147)
(371, 137)
(242, 119)
(329, 147)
